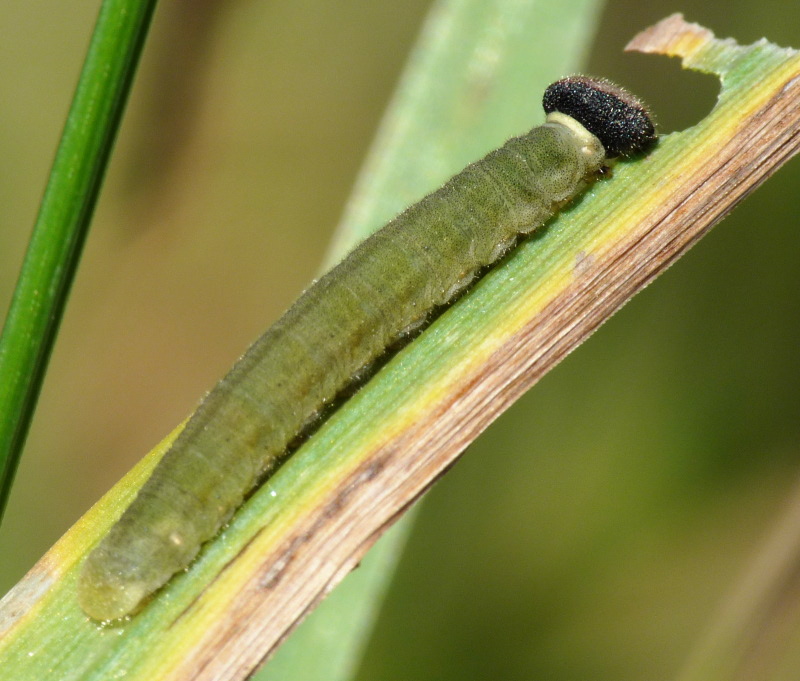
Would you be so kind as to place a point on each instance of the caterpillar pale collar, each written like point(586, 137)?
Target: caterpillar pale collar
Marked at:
point(390, 284)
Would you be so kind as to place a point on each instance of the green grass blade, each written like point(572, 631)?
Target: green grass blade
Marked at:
point(63, 221)
point(475, 75)
point(756, 631)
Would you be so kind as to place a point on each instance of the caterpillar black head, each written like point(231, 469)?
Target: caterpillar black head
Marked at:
point(613, 115)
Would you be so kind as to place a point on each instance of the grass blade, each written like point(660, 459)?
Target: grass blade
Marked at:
point(415, 150)
point(63, 221)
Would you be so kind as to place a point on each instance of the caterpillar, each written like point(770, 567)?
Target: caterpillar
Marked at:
point(385, 288)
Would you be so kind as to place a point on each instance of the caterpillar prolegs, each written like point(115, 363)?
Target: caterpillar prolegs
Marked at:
point(387, 285)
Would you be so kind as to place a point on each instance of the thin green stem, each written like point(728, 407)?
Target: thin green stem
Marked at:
point(63, 220)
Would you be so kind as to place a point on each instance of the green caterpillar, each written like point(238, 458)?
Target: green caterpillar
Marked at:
point(385, 288)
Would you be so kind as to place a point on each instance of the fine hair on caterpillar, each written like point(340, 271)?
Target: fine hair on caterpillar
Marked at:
point(383, 292)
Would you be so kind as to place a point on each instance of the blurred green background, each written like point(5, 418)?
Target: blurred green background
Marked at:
point(596, 527)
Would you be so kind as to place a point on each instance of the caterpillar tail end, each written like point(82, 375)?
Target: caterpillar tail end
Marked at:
point(105, 596)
